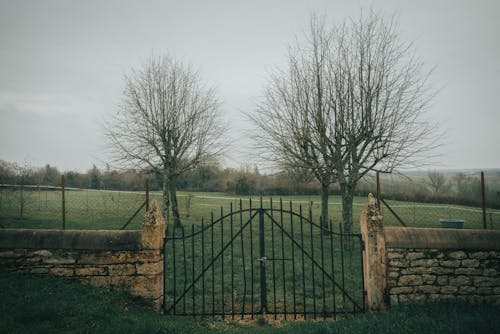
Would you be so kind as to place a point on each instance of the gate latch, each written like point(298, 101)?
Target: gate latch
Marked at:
point(263, 259)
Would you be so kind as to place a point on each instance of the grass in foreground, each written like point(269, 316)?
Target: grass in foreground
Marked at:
point(49, 305)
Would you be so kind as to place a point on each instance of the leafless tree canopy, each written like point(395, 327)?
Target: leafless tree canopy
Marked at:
point(168, 122)
point(352, 99)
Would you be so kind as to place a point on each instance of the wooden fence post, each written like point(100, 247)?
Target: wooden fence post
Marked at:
point(483, 202)
point(63, 203)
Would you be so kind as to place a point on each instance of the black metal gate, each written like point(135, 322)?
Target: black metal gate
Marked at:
point(263, 260)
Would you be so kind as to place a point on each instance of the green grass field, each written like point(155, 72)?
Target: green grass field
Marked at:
point(228, 281)
point(89, 209)
point(50, 305)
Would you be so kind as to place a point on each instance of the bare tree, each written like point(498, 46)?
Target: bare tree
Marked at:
point(352, 99)
point(437, 182)
point(296, 121)
point(168, 122)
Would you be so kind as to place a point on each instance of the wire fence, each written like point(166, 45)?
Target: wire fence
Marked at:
point(457, 200)
point(408, 201)
point(42, 207)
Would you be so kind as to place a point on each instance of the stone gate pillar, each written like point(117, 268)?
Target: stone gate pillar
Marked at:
point(152, 238)
point(374, 255)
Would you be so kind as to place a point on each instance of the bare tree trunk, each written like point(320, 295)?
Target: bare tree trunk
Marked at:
point(175, 205)
point(324, 206)
point(166, 199)
point(347, 189)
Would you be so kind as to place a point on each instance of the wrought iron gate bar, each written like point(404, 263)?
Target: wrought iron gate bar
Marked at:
point(318, 265)
point(321, 274)
point(207, 267)
point(274, 265)
point(304, 219)
point(293, 262)
point(283, 270)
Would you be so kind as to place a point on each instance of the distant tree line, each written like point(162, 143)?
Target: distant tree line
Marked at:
point(430, 187)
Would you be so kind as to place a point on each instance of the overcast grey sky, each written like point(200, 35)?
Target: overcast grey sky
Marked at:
point(62, 65)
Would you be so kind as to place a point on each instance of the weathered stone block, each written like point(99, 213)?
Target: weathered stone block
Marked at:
point(428, 289)
point(148, 287)
point(410, 280)
point(38, 271)
point(90, 271)
point(437, 270)
point(490, 272)
point(59, 260)
point(440, 256)
point(415, 255)
point(447, 289)
point(470, 263)
point(122, 281)
point(467, 271)
point(480, 281)
point(460, 280)
point(496, 290)
point(399, 263)
point(417, 298)
point(457, 255)
point(401, 290)
point(442, 280)
point(414, 270)
point(479, 255)
point(425, 263)
point(450, 263)
point(393, 274)
point(42, 253)
point(151, 268)
point(392, 281)
point(121, 269)
point(395, 255)
point(62, 271)
point(150, 255)
point(466, 290)
point(428, 279)
point(125, 257)
point(32, 260)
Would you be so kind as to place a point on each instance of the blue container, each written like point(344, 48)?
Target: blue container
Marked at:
point(452, 223)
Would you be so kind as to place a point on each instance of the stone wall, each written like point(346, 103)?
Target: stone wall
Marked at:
point(131, 261)
point(408, 265)
point(428, 275)
point(437, 264)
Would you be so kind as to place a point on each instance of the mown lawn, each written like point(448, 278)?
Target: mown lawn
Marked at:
point(49, 305)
